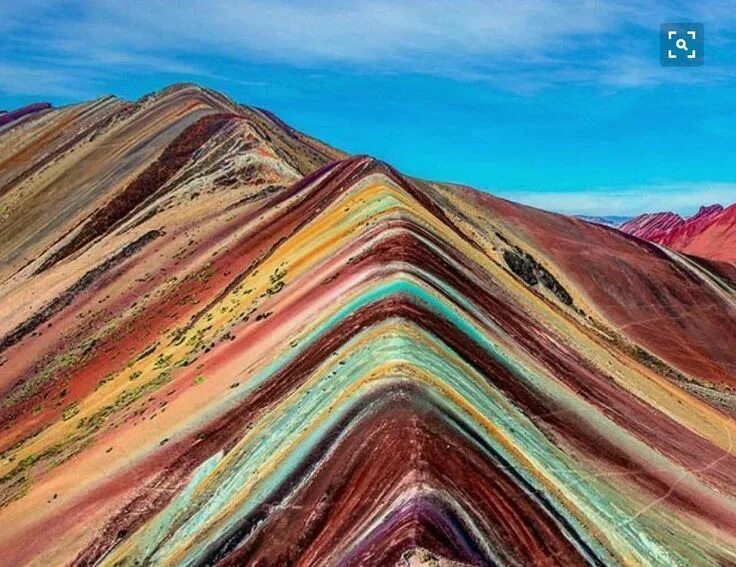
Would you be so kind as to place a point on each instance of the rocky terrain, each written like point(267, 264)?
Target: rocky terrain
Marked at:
point(225, 342)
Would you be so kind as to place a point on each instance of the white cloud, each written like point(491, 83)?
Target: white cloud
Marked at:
point(19, 79)
point(520, 45)
point(684, 198)
point(362, 31)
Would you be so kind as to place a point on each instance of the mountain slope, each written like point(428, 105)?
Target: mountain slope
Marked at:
point(60, 168)
point(710, 233)
point(258, 358)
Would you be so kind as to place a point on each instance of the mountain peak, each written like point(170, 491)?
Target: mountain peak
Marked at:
point(707, 209)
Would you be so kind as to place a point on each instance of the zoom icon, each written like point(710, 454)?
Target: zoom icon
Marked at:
point(681, 45)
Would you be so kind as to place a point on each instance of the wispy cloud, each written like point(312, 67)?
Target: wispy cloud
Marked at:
point(544, 42)
point(684, 198)
point(20, 79)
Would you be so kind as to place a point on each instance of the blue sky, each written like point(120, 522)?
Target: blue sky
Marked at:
point(557, 103)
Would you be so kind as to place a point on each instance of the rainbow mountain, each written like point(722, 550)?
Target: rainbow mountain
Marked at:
point(223, 342)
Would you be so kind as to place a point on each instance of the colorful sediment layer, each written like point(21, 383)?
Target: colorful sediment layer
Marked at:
point(223, 342)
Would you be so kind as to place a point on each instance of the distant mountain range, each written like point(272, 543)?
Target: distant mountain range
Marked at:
point(709, 233)
point(609, 220)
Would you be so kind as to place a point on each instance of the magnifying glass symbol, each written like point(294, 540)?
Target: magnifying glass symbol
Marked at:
point(681, 44)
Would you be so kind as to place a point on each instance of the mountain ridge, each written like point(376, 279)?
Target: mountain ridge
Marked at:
point(267, 341)
point(709, 233)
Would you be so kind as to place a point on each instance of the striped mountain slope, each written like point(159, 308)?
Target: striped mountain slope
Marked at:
point(223, 342)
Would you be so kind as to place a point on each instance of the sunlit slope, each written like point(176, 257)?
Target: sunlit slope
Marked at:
point(346, 366)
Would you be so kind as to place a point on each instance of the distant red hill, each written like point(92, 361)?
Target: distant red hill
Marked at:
point(13, 115)
point(709, 233)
